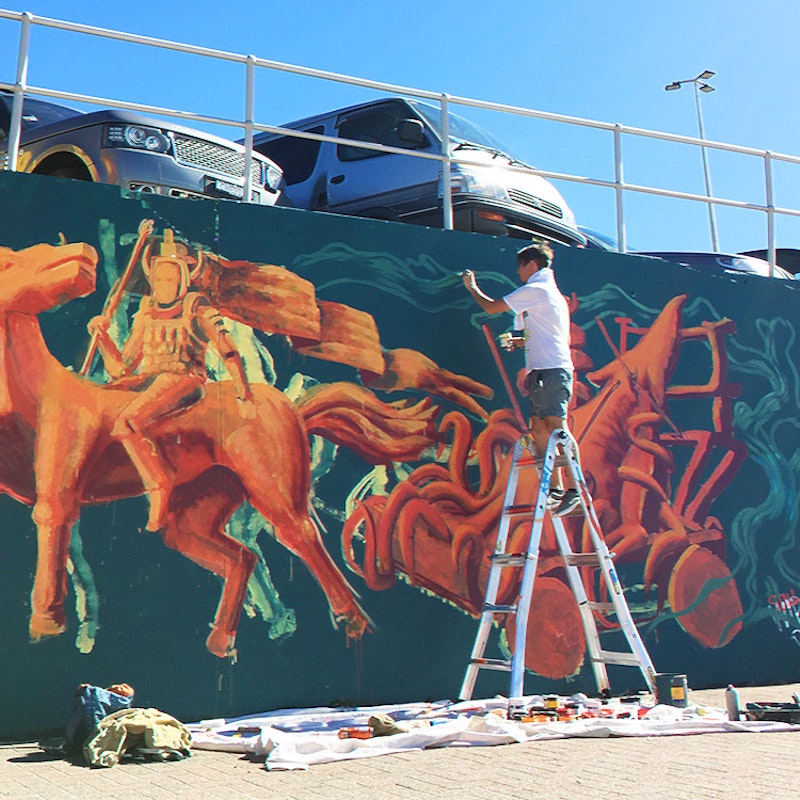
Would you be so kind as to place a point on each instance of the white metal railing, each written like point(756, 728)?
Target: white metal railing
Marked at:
point(20, 87)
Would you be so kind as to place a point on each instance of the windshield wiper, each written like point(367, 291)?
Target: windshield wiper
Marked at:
point(464, 145)
point(469, 146)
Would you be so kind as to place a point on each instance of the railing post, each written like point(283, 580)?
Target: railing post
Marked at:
point(249, 111)
point(771, 254)
point(447, 193)
point(619, 188)
point(19, 93)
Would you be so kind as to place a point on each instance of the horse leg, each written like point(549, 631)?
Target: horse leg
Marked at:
point(296, 531)
point(59, 453)
point(53, 518)
point(271, 458)
point(263, 598)
point(197, 531)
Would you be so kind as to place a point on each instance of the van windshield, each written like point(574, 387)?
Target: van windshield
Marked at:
point(461, 130)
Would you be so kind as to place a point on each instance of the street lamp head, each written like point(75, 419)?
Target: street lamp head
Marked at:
point(670, 87)
point(704, 87)
point(705, 75)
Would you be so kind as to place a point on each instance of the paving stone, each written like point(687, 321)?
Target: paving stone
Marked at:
point(729, 766)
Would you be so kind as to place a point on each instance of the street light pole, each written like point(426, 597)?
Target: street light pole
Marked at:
point(699, 84)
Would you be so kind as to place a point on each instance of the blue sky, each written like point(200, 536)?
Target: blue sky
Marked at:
point(602, 60)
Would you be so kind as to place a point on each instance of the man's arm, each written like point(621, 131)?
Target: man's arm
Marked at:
point(489, 305)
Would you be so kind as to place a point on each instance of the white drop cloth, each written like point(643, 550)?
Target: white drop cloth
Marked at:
point(298, 738)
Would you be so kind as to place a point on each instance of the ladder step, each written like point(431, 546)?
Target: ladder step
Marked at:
point(582, 559)
point(492, 663)
point(527, 461)
point(524, 509)
point(494, 608)
point(605, 608)
point(510, 559)
point(623, 659)
point(576, 512)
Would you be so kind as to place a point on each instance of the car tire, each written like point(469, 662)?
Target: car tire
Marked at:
point(63, 166)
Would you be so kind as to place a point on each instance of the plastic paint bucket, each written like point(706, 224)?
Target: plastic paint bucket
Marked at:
point(672, 690)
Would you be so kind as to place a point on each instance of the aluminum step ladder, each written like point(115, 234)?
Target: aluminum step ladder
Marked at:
point(561, 450)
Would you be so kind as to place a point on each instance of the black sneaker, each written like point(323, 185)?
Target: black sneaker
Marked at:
point(569, 502)
point(554, 498)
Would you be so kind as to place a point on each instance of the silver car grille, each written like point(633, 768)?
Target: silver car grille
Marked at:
point(535, 202)
point(207, 155)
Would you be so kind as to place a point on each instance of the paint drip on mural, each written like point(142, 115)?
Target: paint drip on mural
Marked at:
point(179, 401)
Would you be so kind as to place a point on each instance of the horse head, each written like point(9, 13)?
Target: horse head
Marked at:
point(44, 276)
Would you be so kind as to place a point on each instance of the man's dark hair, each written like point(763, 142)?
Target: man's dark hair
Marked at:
point(540, 252)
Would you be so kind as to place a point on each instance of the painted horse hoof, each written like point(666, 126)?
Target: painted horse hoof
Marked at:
point(159, 510)
point(356, 624)
point(44, 627)
point(221, 643)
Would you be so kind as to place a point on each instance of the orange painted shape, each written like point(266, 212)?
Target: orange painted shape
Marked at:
point(716, 620)
point(347, 335)
point(555, 642)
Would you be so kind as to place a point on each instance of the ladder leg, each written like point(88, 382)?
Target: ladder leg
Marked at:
point(529, 573)
point(587, 614)
point(640, 656)
point(488, 614)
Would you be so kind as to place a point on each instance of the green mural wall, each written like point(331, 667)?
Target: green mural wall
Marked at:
point(381, 423)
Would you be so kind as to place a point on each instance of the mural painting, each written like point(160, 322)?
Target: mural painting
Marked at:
point(174, 429)
point(439, 530)
point(338, 401)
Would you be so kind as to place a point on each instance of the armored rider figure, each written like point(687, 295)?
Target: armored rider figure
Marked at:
point(162, 364)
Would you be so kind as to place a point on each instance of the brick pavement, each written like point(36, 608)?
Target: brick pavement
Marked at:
point(733, 766)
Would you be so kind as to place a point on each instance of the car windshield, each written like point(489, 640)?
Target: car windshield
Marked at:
point(461, 130)
point(37, 112)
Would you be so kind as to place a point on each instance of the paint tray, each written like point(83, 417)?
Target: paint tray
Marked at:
point(774, 712)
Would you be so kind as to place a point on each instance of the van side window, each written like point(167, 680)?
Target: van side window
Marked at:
point(294, 155)
point(380, 127)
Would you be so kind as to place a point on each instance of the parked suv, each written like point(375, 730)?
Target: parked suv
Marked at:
point(493, 193)
point(134, 152)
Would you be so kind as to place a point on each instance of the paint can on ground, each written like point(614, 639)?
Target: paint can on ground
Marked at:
point(672, 689)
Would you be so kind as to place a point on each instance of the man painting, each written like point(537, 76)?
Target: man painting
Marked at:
point(542, 315)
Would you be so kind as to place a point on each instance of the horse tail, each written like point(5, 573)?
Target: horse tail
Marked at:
point(350, 415)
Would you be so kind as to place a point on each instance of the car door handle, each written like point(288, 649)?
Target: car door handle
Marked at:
point(337, 179)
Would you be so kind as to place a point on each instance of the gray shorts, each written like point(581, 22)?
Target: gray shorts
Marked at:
point(550, 391)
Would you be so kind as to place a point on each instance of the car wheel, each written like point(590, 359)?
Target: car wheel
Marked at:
point(63, 166)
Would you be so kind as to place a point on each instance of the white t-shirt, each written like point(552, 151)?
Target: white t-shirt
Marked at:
point(543, 313)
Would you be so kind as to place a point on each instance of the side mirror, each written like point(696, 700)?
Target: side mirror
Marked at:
point(410, 131)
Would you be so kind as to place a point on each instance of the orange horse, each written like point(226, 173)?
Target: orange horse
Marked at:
point(56, 452)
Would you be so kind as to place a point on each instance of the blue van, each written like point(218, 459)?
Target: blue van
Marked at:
point(492, 192)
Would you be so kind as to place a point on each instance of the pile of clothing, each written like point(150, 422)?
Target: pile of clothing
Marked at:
point(104, 727)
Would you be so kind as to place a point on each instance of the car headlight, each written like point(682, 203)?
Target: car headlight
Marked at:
point(478, 183)
point(273, 178)
point(137, 137)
